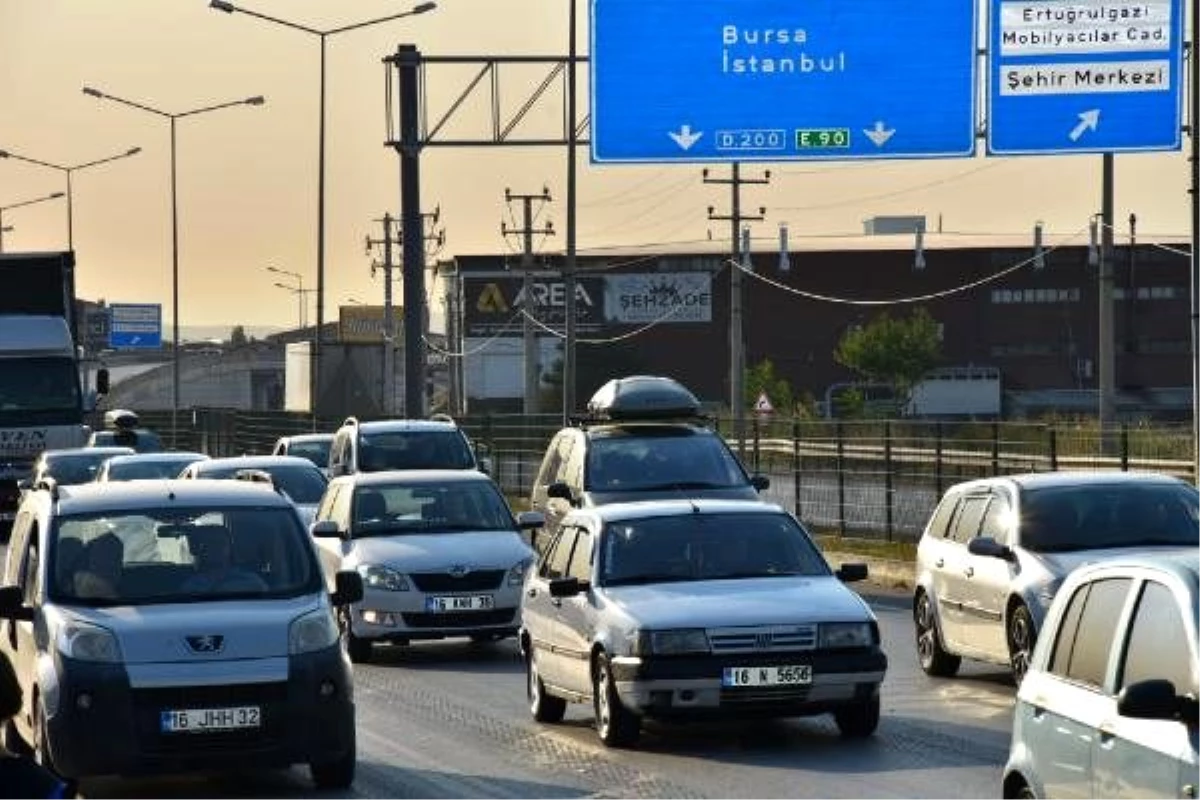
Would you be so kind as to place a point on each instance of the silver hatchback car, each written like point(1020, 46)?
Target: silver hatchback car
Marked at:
point(677, 609)
point(1108, 707)
point(996, 550)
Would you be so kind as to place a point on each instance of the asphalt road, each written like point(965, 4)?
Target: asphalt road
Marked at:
point(448, 719)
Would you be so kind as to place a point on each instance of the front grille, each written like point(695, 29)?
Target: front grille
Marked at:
point(762, 639)
point(764, 695)
point(148, 704)
point(480, 581)
point(461, 619)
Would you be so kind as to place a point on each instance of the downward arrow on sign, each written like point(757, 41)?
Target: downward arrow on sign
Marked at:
point(685, 138)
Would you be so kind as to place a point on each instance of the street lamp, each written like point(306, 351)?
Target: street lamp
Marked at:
point(54, 196)
point(300, 298)
point(230, 8)
point(257, 100)
point(133, 151)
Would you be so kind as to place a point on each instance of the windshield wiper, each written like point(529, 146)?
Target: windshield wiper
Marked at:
point(637, 580)
point(762, 573)
point(680, 486)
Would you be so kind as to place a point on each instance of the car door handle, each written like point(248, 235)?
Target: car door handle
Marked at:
point(556, 602)
point(1108, 732)
point(941, 562)
point(970, 572)
point(532, 592)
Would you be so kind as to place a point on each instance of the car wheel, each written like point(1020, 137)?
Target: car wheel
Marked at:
point(859, 720)
point(934, 659)
point(1021, 638)
point(41, 739)
point(544, 707)
point(360, 650)
point(13, 742)
point(335, 774)
point(617, 725)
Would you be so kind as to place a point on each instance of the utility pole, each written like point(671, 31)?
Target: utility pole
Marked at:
point(438, 239)
point(737, 342)
point(528, 307)
point(387, 397)
point(1106, 358)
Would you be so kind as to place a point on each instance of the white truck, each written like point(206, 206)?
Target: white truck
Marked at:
point(43, 403)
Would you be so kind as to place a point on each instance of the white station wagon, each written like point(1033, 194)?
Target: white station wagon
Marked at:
point(678, 609)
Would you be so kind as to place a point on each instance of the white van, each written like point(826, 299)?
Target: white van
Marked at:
point(168, 626)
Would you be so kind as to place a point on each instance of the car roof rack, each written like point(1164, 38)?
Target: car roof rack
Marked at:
point(120, 419)
point(641, 398)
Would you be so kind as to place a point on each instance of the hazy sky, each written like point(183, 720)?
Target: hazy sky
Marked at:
point(247, 176)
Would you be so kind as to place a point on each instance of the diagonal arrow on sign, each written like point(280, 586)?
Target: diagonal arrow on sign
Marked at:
point(1088, 120)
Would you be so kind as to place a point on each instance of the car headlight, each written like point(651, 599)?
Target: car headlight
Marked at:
point(672, 642)
point(846, 634)
point(516, 575)
point(313, 631)
point(377, 576)
point(86, 642)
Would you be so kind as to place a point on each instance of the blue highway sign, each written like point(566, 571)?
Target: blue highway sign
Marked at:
point(134, 325)
point(776, 80)
point(1085, 76)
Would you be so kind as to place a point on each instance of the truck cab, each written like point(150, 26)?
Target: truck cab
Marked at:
point(42, 399)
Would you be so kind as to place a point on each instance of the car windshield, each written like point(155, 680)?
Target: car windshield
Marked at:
point(303, 484)
point(173, 555)
point(39, 384)
point(447, 507)
point(413, 450)
point(1102, 515)
point(663, 460)
point(74, 468)
point(704, 547)
point(316, 451)
point(140, 470)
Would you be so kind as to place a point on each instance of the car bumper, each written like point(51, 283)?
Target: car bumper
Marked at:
point(404, 616)
point(117, 729)
point(692, 685)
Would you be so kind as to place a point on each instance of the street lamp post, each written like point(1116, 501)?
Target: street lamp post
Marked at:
point(257, 100)
point(230, 8)
point(43, 199)
point(67, 170)
point(298, 290)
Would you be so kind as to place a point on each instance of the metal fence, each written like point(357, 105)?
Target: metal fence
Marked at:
point(877, 478)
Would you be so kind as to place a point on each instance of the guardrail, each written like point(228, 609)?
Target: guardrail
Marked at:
point(878, 478)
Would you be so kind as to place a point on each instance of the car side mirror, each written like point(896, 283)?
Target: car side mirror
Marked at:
point(12, 604)
point(1151, 699)
point(987, 546)
point(531, 520)
point(567, 587)
point(560, 490)
point(348, 588)
point(852, 573)
point(102, 384)
point(325, 529)
point(485, 465)
point(760, 482)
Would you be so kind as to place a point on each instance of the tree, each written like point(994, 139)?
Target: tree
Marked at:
point(897, 352)
point(237, 337)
